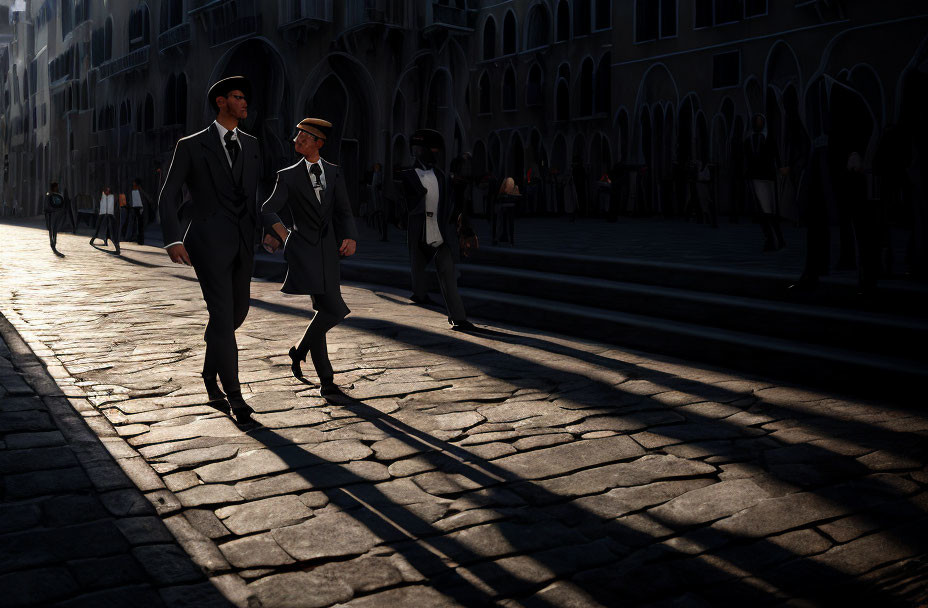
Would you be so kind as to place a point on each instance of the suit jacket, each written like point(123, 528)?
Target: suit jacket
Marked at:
point(200, 161)
point(414, 193)
point(317, 228)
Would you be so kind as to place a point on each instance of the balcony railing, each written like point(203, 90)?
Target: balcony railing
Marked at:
point(296, 13)
point(131, 61)
point(360, 13)
point(176, 36)
point(221, 33)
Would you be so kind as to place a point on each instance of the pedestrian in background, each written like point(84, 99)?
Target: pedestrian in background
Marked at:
point(55, 212)
point(508, 201)
point(761, 161)
point(107, 217)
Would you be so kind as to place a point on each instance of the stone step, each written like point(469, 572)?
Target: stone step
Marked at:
point(897, 297)
point(842, 370)
point(865, 331)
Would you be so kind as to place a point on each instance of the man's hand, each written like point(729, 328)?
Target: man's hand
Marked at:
point(178, 254)
point(271, 244)
point(349, 246)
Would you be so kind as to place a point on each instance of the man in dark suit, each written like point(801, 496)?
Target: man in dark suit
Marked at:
point(220, 167)
point(431, 226)
point(322, 229)
point(55, 209)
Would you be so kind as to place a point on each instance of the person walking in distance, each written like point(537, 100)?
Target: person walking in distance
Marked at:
point(55, 210)
point(220, 166)
point(107, 218)
point(322, 229)
point(431, 226)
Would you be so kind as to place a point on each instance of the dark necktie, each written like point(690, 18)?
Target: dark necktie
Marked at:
point(231, 146)
point(315, 170)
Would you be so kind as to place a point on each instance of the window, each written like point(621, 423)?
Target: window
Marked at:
point(603, 15)
point(563, 21)
point(726, 70)
point(728, 11)
point(582, 17)
point(489, 39)
point(586, 87)
point(538, 27)
point(483, 88)
point(534, 86)
point(702, 13)
point(603, 84)
point(509, 90)
point(509, 34)
point(562, 101)
point(655, 19)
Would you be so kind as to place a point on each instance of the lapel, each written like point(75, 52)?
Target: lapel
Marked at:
point(304, 188)
point(440, 178)
point(217, 160)
point(328, 195)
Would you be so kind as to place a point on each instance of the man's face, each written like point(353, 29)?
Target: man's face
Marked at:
point(305, 143)
point(235, 104)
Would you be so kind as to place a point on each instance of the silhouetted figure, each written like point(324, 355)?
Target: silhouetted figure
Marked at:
point(508, 201)
point(813, 198)
point(431, 226)
point(55, 212)
point(866, 215)
point(761, 160)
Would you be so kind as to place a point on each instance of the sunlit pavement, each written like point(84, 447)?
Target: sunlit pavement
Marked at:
point(519, 469)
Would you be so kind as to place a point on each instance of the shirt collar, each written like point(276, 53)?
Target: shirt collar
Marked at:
point(222, 130)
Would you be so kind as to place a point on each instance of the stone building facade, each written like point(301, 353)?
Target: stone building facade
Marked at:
point(96, 92)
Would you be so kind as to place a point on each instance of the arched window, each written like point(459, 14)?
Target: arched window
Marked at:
point(586, 87)
point(582, 17)
point(509, 89)
point(603, 84)
point(533, 89)
point(562, 101)
point(563, 21)
point(538, 27)
point(484, 92)
point(489, 39)
point(509, 34)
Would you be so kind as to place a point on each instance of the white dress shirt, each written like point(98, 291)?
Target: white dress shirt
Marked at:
point(136, 199)
point(312, 179)
point(107, 204)
point(430, 183)
point(222, 139)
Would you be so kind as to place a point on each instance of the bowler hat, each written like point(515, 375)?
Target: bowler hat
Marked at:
point(225, 86)
point(426, 137)
point(315, 126)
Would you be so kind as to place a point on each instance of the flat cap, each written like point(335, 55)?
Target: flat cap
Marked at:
point(427, 137)
point(225, 86)
point(315, 126)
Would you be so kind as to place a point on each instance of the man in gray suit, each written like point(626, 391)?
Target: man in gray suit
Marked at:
point(220, 167)
point(431, 226)
point(322, 229)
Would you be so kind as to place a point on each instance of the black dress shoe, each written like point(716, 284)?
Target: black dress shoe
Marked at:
point(330, 390)
point(295, 362)
point(423, 301)
point(241, 411)
point(212, 388)
point(464, 325)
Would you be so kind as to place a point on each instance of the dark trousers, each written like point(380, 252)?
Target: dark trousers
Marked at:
point(330, 310)
point(420, 255)
point(53, 220)
point(224, 274)
point(136, 224)
point(111, 231)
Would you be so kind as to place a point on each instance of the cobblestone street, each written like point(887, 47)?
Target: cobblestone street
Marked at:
point(516, 469)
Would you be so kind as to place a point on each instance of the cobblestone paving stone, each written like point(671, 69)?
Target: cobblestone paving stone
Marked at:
point(518, 469)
